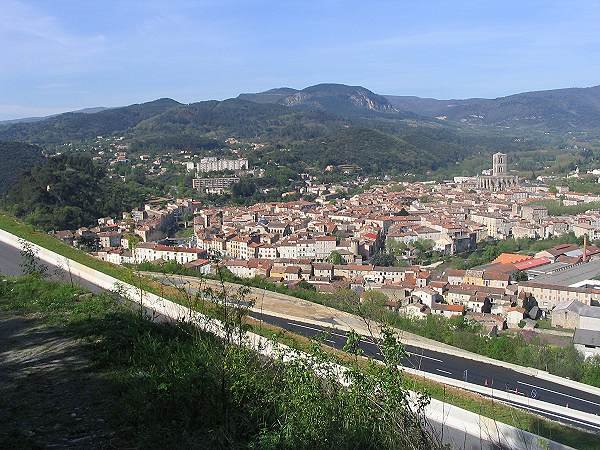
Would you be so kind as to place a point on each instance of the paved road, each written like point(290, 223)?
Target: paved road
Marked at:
point(466, 370)
point(434, 362)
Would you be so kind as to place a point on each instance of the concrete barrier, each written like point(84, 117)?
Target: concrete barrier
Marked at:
point(456, 427)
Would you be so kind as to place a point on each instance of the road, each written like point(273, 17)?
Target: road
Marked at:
point(434, 362)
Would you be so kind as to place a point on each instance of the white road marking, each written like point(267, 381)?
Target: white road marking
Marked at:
point(317, 329)
point(444, 371)
point(362, 340)
point(559, 393)
point(426, 357)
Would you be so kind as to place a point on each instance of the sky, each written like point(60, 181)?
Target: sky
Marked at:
point(61, 55)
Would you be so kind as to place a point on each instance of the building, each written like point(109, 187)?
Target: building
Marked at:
point(147, 252)
point(214, 164)
point(499, 180)
point(214, 185)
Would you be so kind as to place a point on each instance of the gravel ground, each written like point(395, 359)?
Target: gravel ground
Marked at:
point(49, 397)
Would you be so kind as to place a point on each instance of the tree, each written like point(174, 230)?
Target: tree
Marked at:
point(384, 259)
point(30, 262)
point(520, 276)
point(487, 306)
point(335, 257)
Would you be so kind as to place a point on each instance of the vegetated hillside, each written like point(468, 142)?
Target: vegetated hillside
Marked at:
point(270, 96)
point(338, 99)
point(376, 141)
point(17, 157)
point(80, 125)
point(238, 118)
point(37, 119)
point(68, 192)
point(559, 109)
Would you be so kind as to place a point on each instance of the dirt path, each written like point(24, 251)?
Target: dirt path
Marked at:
point(48, 396)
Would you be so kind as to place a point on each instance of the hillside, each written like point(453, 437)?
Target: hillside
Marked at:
point(559, 109)
point(17, 157)
point(68, 192)
point(81, 125)
point(337, 99)
point(315, 127)
point(37, 119)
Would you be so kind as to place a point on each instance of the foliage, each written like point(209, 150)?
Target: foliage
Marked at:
point(556, 207)
point(177, 387)
point(335, 258)
point(17, 157)
point(384, 259)
point(68, 192)
point(30, 263)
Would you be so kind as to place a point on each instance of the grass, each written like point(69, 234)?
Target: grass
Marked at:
point(171, 386)
point(456, 397)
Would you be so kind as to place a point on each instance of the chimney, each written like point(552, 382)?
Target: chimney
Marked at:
point(585, 248)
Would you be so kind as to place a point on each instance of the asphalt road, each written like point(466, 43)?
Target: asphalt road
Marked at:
point(464, 369)
point(439, 363)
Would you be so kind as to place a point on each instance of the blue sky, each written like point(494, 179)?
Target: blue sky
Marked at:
point(61, 55)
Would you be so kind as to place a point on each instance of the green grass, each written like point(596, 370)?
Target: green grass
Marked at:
point(462, 399)
point(174, 387)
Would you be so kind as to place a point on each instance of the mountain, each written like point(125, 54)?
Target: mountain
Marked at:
point(81, 125)
point(312, 128)
point(240, 118)
point(270, 96)
point(338, 99)
point(17, 158)
point(37, 119)
point(558, 109)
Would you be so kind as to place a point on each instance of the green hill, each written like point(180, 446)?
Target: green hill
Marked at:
point(17, 157)
point(320, 125)
point(558, 109)
point(80, 125)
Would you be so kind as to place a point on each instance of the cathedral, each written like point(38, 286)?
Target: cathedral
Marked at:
point(499, 179)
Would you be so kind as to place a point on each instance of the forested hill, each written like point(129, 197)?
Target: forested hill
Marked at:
point(558, 109)
point(331, 124)
point(68, 192)
point(81, 125)
point(17, 157)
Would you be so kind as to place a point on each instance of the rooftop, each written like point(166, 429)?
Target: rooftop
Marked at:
point(571, 276)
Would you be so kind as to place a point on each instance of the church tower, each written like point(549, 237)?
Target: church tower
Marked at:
point(499, 164)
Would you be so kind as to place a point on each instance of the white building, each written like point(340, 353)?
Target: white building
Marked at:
point(214, 164)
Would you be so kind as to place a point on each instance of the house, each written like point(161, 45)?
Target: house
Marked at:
point(292, 273)
point(514, 316)
point(323, 270)
point(109, 239)
point(587, 342)
point(417, 310)
point(427, 296)
point(491, 323)
point(66, 236)
point(446, 310)
point(202, 266)
point(566, 314)
point(148, 252)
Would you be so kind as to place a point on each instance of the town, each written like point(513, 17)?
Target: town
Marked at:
point(399, 240)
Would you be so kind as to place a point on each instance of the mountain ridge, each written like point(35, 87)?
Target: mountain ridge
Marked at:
point(554, 109)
